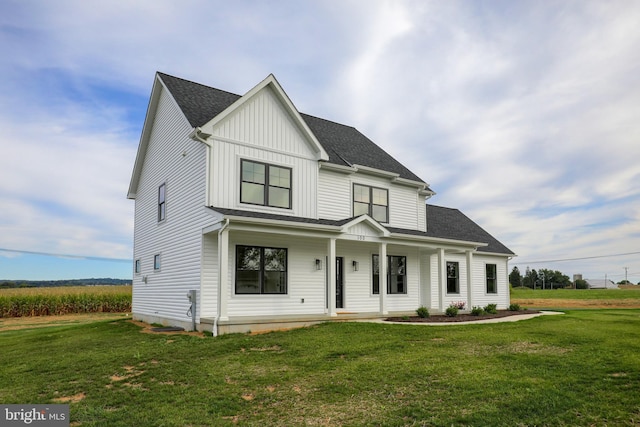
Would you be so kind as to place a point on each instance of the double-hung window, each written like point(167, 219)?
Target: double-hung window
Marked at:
point(396, 274)
point(265, 184)
point(162, 205)
point(492, 281)
point(371, 201)
point(453, 282)
point(261, 270)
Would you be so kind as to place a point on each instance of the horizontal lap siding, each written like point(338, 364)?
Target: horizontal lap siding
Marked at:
point(304, 281)
point(178, 161)
point(209, 290)
point(334, 195)
point(480, 296)
point(335, 199)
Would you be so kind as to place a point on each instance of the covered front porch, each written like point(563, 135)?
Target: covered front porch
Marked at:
point(329, 272)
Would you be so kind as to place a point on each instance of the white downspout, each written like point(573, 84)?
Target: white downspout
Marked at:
point(217, 317)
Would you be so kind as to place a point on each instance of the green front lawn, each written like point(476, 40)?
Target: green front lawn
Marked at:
point(579, 294)
point(581, 368)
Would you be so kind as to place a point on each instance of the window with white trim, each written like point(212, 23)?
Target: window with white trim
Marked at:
point(396, 274)
point(162, 205)
point(261, 270)
point(492, 278)
point(265, 184)
point(453, 279)
point(372, 201)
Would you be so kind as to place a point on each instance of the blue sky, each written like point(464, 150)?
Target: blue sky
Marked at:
point(524, 115)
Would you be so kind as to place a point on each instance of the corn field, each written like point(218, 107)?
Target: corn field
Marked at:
point(23, 302)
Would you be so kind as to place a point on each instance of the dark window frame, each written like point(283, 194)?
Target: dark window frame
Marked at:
point(370, 204)
point(137, 266)
point(491, 278)
point(157, 262)
point(453, 277)
point(262, 271)
point(162, 202)
point(390, 275)
point(266, 184)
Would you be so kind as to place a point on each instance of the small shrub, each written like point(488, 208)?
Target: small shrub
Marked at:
point(491, 309)
point(477, 311)
point(514, 307)
point(451, 311)
point(405, 317)
point(422, 312)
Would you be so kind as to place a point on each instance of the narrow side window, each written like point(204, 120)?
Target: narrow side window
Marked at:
point(162, 205)
point(137, 266)
point(156, 262)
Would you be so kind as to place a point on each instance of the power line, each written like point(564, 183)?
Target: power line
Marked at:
point(576, 259)
point(92, 258)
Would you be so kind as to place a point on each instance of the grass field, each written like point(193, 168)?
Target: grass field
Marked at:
point(21, 302)
point(577, 298)
point(580, 368)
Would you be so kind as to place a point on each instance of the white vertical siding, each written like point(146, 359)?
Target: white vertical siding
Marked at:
point(264, 131)
point(178, 161)
point(225, 178)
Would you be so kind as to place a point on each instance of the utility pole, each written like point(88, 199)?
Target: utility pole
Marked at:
point(626, 270)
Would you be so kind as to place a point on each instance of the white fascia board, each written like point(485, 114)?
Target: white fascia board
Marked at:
point(377, 172)
point(271, 81)
point(279, 223)
point(440, 241)
point(152, 107)
point(338, 168)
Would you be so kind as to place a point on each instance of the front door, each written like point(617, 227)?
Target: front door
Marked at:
point(339, 282)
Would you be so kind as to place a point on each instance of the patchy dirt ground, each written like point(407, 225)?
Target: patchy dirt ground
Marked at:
point(16, 323)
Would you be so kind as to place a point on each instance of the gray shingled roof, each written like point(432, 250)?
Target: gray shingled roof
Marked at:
point(344, 144)
point(442, 223)
point(448, 223)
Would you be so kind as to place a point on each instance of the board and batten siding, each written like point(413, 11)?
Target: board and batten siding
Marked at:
point(179, 162)
point(262, 130)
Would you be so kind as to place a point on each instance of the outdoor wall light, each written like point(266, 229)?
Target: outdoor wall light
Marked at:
point(356, 265)
point(318, 264)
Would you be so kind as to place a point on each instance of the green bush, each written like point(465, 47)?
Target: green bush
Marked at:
point(422, 312)
point(491, 309)
point(451, 311)
point(515, 307)
point(477, 311)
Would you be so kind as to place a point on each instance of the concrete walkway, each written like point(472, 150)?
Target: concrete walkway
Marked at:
point(514, 318)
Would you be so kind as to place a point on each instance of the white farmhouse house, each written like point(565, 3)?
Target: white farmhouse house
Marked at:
point(279, 219)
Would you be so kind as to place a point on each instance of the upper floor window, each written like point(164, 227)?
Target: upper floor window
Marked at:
point(137, 267)
point(396, 274)
point(265, 184)
point(156, 262)
point(371, 201)
point(261, 270)
point(162, 205)
point(453, 282)
point(492, 282)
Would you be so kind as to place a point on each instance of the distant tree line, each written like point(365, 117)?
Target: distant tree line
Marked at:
point(548, 279)
point(53, 283)
point(541, 279)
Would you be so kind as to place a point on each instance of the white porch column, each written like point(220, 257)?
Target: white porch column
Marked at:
point(382, 261)
point(331, 273)
point(470, 279)
point(442, 279)
point(223, 275)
